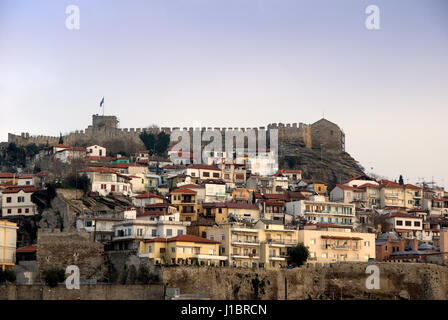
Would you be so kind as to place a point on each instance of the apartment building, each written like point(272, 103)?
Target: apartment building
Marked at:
point(263, 245)
point(129, 233)
point(238, 242)
point(16, 201)
point(8, 237)
point(185, 199)
point(405, 196)
point(275, 240)
point(317, 210)
point(329, 244)
point(182, 249)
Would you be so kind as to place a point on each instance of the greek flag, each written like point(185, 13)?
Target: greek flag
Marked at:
point(102, 102)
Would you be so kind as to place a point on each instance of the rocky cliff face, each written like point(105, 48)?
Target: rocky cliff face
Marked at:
point(326, 166)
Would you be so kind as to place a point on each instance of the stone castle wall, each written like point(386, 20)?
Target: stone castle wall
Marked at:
point(415, 281)
point(105, 129)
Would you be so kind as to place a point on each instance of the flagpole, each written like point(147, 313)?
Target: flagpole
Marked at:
point(103, 106)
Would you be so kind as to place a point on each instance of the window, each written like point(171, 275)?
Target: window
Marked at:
point(140, 232)
point(149, 249)
point(408, 223)
point(9, 211)
point(313, 241)
point(27, 210)
point(366, 243)
point(173, 249)
point(169, 232)
point(180, 232)
point(206, 174)
point(154, 233)
point(223, 237)
point(399, 222)
point(215, 175)
point(324, 255)
point(416, 223)
point(8, 199)
point(212, 237)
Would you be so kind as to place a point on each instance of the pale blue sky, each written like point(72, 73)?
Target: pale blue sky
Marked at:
point(236, 63)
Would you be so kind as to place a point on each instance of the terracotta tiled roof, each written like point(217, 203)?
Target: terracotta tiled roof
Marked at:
point(148, 195)
point(27, 249)
point(4, 175)
point(16, 189)
point(401, 215)
point(183, 191)
point(232, 205)
point(203, 167)
point(99, 170)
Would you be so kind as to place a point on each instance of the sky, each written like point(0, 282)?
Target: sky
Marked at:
point(236, 63)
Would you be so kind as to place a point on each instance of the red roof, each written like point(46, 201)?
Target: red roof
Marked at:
point(203, 167)
point(26, 189)
point(183, 238)
point(27, 249)
point(231, 205)
point(148, 195)
point(292, 171)
point(98, 169)
point(401, 215)
point(183, 191)
point(6, 175)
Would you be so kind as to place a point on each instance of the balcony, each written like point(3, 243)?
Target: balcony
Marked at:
point(244, 256)
point(246, 242)
point(277, 258)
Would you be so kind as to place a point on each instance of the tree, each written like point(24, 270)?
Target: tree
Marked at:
point(162, 143)
point(400, 180)
point(53, 276)
point(298, 254)
point(61, 140)
point(7, 275)
point(149, 140)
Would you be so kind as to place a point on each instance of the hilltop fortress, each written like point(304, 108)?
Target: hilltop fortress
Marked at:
point(321, 134)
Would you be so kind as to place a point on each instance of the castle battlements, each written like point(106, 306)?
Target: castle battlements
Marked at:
point(103, 128)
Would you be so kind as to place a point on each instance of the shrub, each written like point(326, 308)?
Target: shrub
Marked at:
point(7, 275)
point(53, 276)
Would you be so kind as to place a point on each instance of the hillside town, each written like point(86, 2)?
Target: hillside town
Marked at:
point(222, 213)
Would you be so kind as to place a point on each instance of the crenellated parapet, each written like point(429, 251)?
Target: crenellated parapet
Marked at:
point(106, 127)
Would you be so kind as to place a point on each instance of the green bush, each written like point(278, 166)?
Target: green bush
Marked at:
point(298, 254)
point(53, 276)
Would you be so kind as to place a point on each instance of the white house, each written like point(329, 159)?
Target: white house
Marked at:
point(96, 151)
point(17, 201)
point(106, 180)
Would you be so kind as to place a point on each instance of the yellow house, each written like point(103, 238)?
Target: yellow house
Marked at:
point(318, 187)
point(275, 241)
point(241, 195)
point(182, 249)
point(8, 237)
point(405, 196)
point(8, 179)
point(333, 244)
point(186, 202)
point(221, 211)
point(263, 246)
